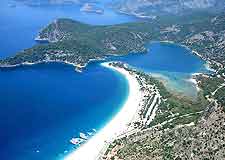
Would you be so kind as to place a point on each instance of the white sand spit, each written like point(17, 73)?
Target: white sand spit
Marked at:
point(117, 126)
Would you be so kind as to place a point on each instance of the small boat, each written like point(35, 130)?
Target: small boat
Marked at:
point(83, 136)
point(76, 141)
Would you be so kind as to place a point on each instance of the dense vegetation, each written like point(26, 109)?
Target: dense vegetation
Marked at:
point(174, 109)
point(205, 141)
point(183, 128)
point(209, 84)
point(213, 87)
point(77, 43)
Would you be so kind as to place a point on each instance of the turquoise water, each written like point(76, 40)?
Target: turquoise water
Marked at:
point(173, 64)
point(43, 106)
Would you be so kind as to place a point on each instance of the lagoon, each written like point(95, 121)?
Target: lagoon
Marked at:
point(43, 106)
point(171, 63)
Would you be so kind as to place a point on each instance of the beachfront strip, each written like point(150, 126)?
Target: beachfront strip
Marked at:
point(136, 113)
point(146, 109)
point(176, 127)
point(148, 106)
point(156, 123)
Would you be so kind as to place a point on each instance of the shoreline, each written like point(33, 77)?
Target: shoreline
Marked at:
point(119, 124)
point(78, 68)
point(194, 82)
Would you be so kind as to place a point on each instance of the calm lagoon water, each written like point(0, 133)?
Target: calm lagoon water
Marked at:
point(44, 106)
point(171, 63)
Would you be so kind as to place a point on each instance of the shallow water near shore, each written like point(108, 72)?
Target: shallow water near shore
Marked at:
point(43, 106)
point(171, 63)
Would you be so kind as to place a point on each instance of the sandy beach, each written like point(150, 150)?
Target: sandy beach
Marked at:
point(117, 126)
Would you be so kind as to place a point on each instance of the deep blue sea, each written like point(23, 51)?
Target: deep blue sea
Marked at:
point(43, 106)
point(21, 24)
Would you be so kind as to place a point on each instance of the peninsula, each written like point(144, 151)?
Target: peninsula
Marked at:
point(154, 123)
point(77, 43)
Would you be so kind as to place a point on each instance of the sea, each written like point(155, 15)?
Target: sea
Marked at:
point(43, 106)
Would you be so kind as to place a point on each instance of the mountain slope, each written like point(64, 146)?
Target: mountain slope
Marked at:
point(151, 8)
point(74, 42)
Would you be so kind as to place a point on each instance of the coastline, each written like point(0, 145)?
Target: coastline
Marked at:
point(119, 124)
point(194, 81)
point(78, 67)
